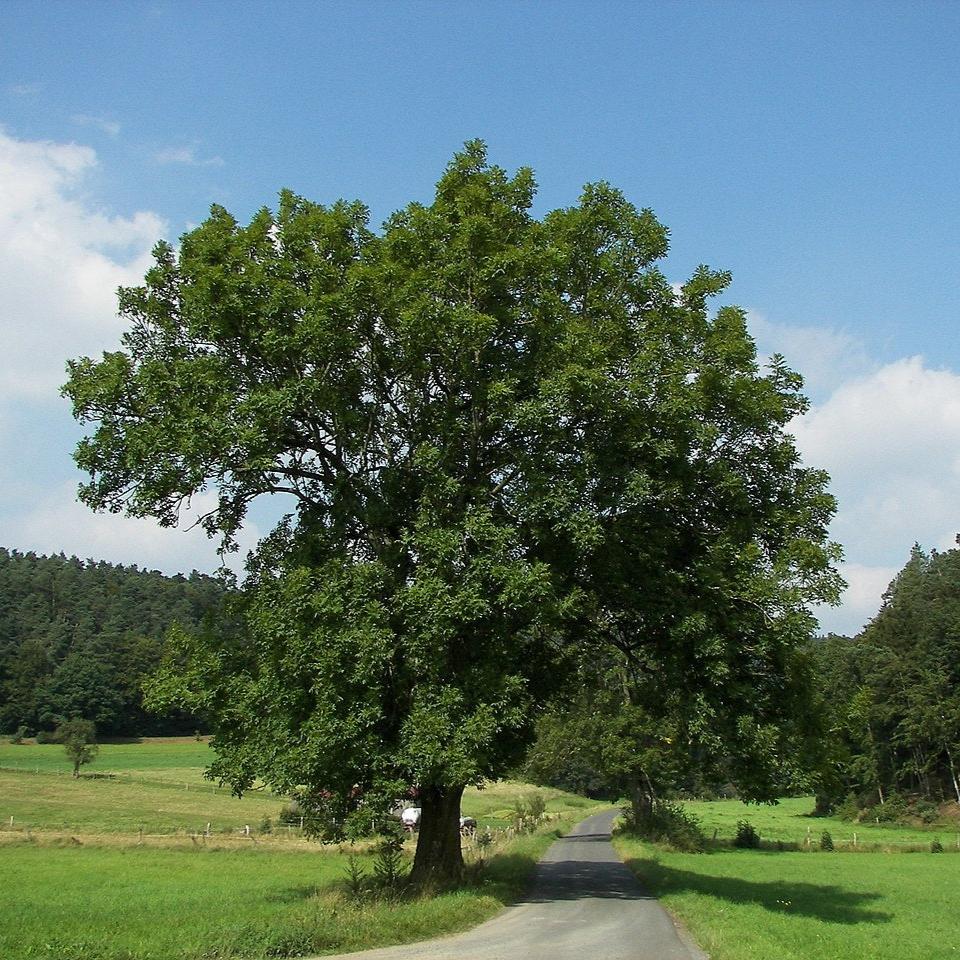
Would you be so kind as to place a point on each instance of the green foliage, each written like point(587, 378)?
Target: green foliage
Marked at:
point(747, 836)
point(389, 867)
point(936, 846)
point(826, 841)
point(506, 442)
point(78, 638)
point(18, 737)
point(668, 823)
point(79, 739)
point(893, 692)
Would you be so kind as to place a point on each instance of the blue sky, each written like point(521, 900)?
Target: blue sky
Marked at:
point(810, 148)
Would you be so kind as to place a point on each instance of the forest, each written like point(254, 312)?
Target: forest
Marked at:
point(887, 723)
point(77, 638)
point(892, 694)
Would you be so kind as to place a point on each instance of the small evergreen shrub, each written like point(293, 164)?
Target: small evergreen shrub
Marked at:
point(747, 837)
point(388, 866)
point(936, 846)
point(826, 841)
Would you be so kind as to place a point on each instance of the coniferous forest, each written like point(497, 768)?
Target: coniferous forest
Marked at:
point(892, 693)
point(78, 637)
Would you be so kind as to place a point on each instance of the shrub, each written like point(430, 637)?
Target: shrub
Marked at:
point(266, 825)
point(356, 877)
point(936, 846)
point(669, 823)
point(849, 809)
point(747, 836)
point(388, 866)
point(19, 735)
point(47, 736)
point(826, 841)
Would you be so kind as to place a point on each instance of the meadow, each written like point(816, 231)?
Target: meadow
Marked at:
point(90, 886)
point(854, 903)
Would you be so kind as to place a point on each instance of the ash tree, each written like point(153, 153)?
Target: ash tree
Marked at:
point(504, 440)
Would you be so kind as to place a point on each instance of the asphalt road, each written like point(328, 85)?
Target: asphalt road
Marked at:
point(584, 905)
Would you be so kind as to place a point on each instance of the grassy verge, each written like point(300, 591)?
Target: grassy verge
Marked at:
point(142, 903)
point(755, 905)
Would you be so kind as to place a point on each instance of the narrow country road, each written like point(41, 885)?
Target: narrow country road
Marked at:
point(584, 905)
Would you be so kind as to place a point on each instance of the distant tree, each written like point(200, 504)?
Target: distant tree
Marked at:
point(79, 739)
point(506, 441)
point(893, 692)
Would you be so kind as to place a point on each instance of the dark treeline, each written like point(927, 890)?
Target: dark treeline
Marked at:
point(885, 741)
point(892, 693)
point(78, 637)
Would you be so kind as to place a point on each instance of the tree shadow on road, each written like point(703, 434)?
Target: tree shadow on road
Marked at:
point(827, 902)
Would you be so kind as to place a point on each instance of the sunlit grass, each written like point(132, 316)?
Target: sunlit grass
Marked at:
point(760, 905)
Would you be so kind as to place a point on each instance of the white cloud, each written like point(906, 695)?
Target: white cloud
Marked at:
point(59, 523)
point(825, 356)
point(891, 443)
point(105, 125)
point(865, 587)
point(188, 156)
point(61, 261)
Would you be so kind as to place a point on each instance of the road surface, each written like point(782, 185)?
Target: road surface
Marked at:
point(584, 905)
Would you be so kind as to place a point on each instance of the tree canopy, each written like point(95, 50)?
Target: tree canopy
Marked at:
point(505, 440)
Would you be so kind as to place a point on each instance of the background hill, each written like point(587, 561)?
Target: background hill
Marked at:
point(77, 638)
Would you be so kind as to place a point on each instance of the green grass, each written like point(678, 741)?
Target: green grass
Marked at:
point(789, 821)
point(758, 905)
point(46, 801)
point(158, 785)
point(142, 903)
point(102, 896)
point(176, 759)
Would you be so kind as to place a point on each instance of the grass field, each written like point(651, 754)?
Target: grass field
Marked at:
point(87, 888)
point(174, 759)
point(790, 821)
point(159, 787)
point(138, 903)
point(861, 904)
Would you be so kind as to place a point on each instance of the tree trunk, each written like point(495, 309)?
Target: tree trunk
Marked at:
point(439, 859)
point(641, 800)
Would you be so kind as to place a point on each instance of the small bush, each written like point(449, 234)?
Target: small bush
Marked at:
point(388, 866)
point(266, 825)
point(849, 809)
point(47, 736)
point(747, 836)
point(19, 735)
point(936, 846)
point(826, 841)
point(669, 823)
point(356, 877)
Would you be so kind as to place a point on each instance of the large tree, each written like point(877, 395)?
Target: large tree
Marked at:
point(504, 439)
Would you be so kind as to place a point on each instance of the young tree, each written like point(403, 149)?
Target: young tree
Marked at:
point(498, 435)
point(79, 739)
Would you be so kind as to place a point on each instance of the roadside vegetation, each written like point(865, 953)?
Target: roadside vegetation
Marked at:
point(787, 892)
